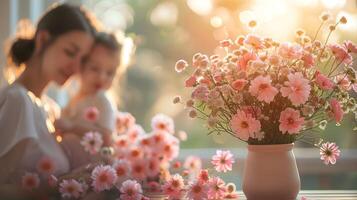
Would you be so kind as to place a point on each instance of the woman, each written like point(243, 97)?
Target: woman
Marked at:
point(63, 37)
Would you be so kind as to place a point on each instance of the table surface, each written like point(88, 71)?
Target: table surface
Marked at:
point(323, 195)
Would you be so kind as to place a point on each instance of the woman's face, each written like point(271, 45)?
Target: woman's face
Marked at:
point(99, 69)
point(63, 57)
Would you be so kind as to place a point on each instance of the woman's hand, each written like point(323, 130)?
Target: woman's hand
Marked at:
point(63, 125)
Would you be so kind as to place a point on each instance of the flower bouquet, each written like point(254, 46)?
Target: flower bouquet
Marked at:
point(269, 93)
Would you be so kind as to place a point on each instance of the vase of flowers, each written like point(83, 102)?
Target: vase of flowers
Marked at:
point(270, 94)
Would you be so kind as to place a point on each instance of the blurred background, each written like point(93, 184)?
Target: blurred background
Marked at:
point(168, 30)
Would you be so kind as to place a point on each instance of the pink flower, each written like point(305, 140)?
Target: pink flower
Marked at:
point(290, 121)
point(350, 46)
point(180, 65)
point(200, 93)
point(162, 122)
point(197, 191)
point(153, 186)
point(153, 167)
point(261, 88)
point(244, 60)
point(103, 177)
point(336, 109)
point(138, 169)
point(309, 60)
point(122, 169)
point(341, 54)
point(223, 161)
point(135, 153)
point(354, 87)
point(30, 181)
point(244, 125)
point(70, 189)
point(297, 89)
point(231, 191)
point(239, 84)
point(217, 188)
point(134, 132)
point(203, 176)
point(254, 41)
point(225, 43)
point(323, 82)
point(174, 186)
point(191, 81)
point(329, 153)
point(46, 165)
point(343, 82)
point(124, 121)
point(91, 114)
point(92, 142)
point(131, 190)
point(290, 51)
point(193, 163)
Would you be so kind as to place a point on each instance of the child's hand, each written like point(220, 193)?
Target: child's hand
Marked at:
point(63, 125)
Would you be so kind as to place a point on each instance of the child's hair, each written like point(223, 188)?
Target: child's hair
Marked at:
point(58, 20)
point(108, 40)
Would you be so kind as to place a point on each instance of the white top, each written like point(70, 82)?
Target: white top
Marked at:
point(24, 116)
point(106, 118)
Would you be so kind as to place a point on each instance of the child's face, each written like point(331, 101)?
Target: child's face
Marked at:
point(99, 70)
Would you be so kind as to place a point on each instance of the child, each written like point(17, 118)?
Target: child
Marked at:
point(95, 77)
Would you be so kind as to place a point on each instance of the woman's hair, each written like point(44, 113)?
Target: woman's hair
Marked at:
point(58, 20)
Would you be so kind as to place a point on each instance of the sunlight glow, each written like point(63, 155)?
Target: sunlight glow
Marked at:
point(216, 21)
point(164, 14)
point(333, 4)
point(200, 7)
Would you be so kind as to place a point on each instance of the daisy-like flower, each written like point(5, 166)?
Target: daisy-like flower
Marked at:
point(91, 114)
point(261, 88)
point(92, 142)
point(30, 181)
point(153, 167)
point(290, 51)
point(134, 153)
point(217, 188)
point(297, 89)
point(104, 177)
point(122, 169)
point(197, 191)
point(336, 110)
point(329, 152)
point(70, 189)
point(135, 132)
point(174, 186)
point(350, 46)
point(323, 82)
point(290, 121)
point(341, 54)
point(244, 125)
point(223, 161)
point(46, 165)
point(181, 65)
point(124, 121)
point(254, 41)
point(203, 176)
point(131, 190)
point(163, 123)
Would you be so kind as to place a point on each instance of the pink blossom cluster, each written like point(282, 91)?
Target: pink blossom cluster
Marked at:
point(262, 91)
